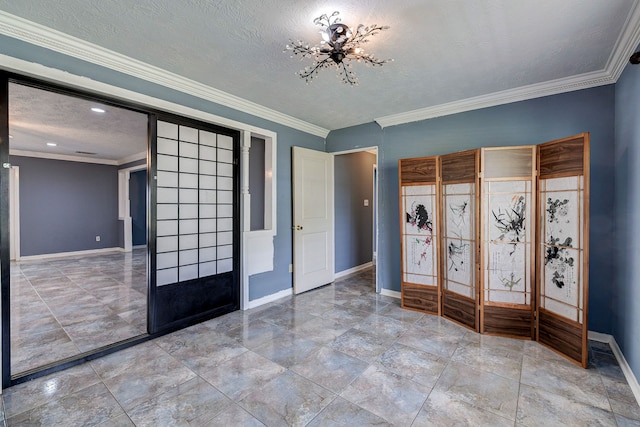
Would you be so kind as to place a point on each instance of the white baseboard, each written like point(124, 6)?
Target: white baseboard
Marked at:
point(390, 293)
point(269, 298)
point(353, 270)
point(626, 369)
point(69, 254)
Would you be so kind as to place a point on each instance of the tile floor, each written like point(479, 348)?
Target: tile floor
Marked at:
point(337, 356)
point(66, 306)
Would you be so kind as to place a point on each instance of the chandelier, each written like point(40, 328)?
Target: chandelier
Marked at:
point(340, 45)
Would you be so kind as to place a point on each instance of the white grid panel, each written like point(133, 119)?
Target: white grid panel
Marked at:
point(194, 209)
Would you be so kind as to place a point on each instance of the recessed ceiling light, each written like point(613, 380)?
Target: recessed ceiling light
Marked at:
point(10, 136)
point(98, 110)
point(52, 144)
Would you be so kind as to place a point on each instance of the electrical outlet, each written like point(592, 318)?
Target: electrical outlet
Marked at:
point(97, 238)
point(290, 268)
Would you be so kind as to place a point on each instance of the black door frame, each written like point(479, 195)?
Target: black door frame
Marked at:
point(155, 331)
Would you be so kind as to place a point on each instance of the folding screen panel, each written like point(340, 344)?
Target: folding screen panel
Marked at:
point(562, 240)
point(195, 256)
point(459, 190)
point(508, 261)
point(419, 236)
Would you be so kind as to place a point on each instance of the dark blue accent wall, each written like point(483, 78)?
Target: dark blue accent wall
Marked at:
point(138, 206)
point(65, 205)
point(625, 313)
point(522, 123)
point(353, 221)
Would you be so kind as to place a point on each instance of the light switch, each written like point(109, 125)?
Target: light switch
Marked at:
point(366, 202)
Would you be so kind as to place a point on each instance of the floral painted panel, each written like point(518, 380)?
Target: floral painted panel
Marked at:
point(459, 217)
point(561, 253)
point(459, 238)
point(419, 240)
point(508, 240)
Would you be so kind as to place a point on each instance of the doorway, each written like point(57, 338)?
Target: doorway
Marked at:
point(58, 299)
point(356, 211)
point(73, 289)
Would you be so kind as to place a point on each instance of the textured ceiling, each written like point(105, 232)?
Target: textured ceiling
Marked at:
point(443, 50)
point(38, 117)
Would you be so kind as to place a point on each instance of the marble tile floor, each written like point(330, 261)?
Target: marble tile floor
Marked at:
point(340, 355)
point(65, 306)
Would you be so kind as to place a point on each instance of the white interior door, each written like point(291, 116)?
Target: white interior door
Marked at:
point(313, 216)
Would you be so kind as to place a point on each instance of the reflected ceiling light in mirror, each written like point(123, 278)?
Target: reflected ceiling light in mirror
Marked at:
point(339, 47)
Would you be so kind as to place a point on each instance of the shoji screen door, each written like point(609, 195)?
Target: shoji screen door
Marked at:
point(563, 260)
point(507, 235)
point(418, 230)
point(195, 259)
point(459, 189)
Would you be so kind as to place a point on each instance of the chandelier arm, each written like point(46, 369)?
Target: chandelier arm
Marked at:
point(371, 60)
point(308, 72)
point(299, 48)
point(347, 75)
point(359, 37)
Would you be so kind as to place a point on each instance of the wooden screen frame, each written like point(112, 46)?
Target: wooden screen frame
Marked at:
point(556, 159)
point(465, 168)
point(509, 319)
point(419, 171)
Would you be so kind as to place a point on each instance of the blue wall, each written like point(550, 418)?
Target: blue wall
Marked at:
point(65, 205)
point(626, 308)
point(522, 123)
point(259, 285)
point(138, 207)
point(353, 184)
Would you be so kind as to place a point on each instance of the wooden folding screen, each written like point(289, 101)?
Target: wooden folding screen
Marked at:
point(562, 241)
point(418, 191)
point(459, 208)
point(513, 250)
point(507, 224)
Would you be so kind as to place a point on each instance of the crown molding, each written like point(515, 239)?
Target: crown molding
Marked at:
point(627, 41)
point(48, 38)
point(64, 157)
point(132, 158)
point(523, 93)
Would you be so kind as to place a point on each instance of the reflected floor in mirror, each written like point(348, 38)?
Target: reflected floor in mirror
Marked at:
point(66, 306)
point(340, 355)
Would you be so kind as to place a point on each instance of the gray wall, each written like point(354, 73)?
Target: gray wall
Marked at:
point(65, 205)
point(527, 122)
point(353, 220)
point(626, 288)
